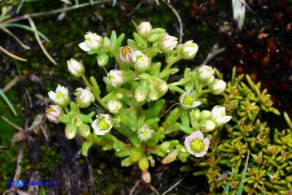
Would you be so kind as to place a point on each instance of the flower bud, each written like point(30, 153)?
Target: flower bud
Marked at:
point(141, 93)
point(167, 43)
point(75, 67)
point(60, 97)
point(143, 163)
point(92, 42)
point(116, 77)
point(217, 86)
point(189, 50)
point(70, 130)
point(84, 97)
point(208, 125)
point(144, 133)
point(205, 114)
point(170, 157)
point(54, 113)
point(144, 28)
point(205, 72)
point(142, 62)
point(114, 106)
point(84, 130)
point(162, 87)
point(127, 54)
point(102, 124)
point(195, 115)
point(102, 59)
point(153, 93)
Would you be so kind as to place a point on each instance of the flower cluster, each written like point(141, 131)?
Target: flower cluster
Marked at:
point(130, 108)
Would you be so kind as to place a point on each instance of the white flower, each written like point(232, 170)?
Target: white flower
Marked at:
point(61, 96)
point(71, 130)
point(144, 133)
point(75, 67)
point(84, 97)
point(92, 41)
point(114, 106)
point(142, 62)
point(167, 43)
point(102, 124)
point(144, 28)
point(219, 116)
point(116, 77)
point(189, 50)
point(205, 72)
point(54, 113)
point(196, 144)
point(127, 54)
point(238, 7)
point(217, 86)
point(188, 101)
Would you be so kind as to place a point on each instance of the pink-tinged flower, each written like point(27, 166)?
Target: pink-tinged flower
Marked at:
point(60, 97)
point(189, 50)
point(196, 144)
point(144, 28)
point(54, 113)
point(167, 43)
point(205, 72)
point(219, 116)
point(127, 54)
point(142, 62)
point(75, 67)
point(116, 77)
point(102, 124)
point(188, 101)
point(84, 97)
point(217, 86)
point(92, 41)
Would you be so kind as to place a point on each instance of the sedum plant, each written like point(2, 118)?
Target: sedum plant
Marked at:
point(132, 112)
point(249, 139)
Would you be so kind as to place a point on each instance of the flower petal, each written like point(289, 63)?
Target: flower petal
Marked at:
point(84, 46)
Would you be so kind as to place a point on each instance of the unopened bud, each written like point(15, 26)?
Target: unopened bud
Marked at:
point(144, 28)
point(75, 67)
point(70, 130)
point(217, 86)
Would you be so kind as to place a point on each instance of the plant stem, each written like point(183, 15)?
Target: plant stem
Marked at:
point(96, 95)
point(170, 64)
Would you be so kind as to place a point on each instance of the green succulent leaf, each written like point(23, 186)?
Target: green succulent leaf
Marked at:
point(85, 147)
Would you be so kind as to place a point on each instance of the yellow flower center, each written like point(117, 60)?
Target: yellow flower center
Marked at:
point(197, 145)
point(188, 100)
point(125, 50)
point(102, 124)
